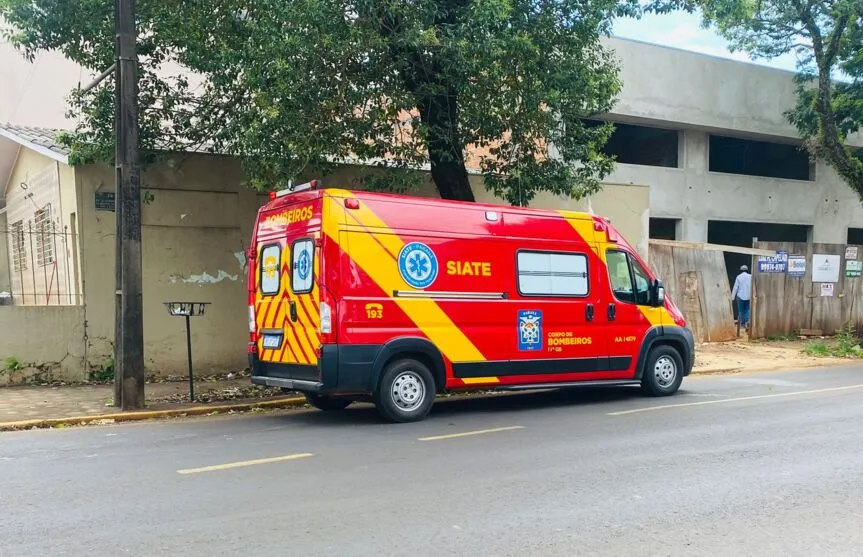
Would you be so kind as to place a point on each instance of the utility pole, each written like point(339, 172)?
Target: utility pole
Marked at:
point(129, 322)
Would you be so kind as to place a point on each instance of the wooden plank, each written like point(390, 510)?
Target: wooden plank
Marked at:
point(690, 305)
point(697, 281)
point(711, 247)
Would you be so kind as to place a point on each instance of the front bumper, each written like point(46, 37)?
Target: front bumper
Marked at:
point(689, 338)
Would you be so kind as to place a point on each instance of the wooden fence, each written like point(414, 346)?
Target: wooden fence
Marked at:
point(816, 290)
point(697, 282)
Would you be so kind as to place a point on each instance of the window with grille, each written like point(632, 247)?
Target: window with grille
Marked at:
point(19, 249)
point(44, 231)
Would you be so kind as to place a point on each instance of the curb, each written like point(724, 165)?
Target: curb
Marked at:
point(717, 370)
point(152, 414)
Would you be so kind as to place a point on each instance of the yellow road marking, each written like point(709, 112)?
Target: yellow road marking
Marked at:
point(469, 433)
point(738, 399)
point(218, 467)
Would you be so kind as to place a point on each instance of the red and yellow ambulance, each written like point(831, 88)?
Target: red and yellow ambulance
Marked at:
point(358, 295)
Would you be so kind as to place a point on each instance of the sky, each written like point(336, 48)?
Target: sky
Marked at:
point(682, 30)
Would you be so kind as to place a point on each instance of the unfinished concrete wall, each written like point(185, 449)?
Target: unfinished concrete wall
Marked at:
point(698, 95)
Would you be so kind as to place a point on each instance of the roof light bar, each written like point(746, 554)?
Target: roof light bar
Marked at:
point(313, 185)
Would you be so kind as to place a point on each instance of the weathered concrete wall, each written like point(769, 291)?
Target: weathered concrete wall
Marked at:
point(48, 343)
point(195, 231)
point(699, 91)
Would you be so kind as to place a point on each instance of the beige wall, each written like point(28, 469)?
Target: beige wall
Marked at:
point(35, 184)
point(48, 342)
point(5, 279)
point(194, 233)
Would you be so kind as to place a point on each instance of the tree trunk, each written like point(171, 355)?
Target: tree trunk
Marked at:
point(829, 141)
point(440, 115)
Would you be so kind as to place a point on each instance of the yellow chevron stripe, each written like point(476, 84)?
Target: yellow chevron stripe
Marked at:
point(367, 252)
point(597, 241)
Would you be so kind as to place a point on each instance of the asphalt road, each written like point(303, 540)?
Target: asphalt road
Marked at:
point(751, 464)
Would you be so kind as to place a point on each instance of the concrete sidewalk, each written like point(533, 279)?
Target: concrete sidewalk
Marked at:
point(25, 404)
point(25, 407)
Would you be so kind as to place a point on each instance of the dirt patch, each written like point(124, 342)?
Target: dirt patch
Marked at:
point(743, 355)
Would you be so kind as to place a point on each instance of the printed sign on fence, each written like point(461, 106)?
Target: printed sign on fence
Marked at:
point(853, 269)
point(775, 264)
point(796, 265)
point(825, 268)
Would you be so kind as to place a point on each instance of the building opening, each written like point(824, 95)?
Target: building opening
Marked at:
point(731, 155)
point(642, 145)
point(855, 236)
point(735, 233)
point(663, 229)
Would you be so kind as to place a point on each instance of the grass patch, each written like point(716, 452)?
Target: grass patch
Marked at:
point(782, 337)
point(12, 364)
point(845, 345)
point(104, 374)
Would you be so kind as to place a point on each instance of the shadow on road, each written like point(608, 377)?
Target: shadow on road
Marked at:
point(365, 414)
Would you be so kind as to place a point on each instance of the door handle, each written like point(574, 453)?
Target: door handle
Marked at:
point(293, 306)
point(612, 312)
point(588, 312)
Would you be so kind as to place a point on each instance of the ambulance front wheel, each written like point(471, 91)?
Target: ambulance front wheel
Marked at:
point(663, 371)
point(406, 391)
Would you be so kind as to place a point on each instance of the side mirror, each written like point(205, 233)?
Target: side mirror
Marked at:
point(657, 297)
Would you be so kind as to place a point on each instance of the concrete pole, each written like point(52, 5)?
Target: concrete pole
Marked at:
point(129, 326)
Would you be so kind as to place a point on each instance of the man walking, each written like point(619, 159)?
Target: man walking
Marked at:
point(742, 292)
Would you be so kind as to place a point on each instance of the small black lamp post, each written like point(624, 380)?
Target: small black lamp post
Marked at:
point(188, 310)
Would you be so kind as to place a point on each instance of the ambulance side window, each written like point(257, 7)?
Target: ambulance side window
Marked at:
point(629, 282)
point(552, 274)
point(302, 266)
point(270, 269)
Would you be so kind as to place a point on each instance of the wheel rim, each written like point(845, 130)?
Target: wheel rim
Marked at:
point(665, 372)
point(408, 391)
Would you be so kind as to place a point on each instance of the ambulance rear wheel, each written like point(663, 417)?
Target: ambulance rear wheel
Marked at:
point(406, 391)
point(327, 403)
point(663, 372)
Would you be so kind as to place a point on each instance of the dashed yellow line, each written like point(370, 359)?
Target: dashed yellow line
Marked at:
point(244, 463)
point(469, 433)
point(738, 399)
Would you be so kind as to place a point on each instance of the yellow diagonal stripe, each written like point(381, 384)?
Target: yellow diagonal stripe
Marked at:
point(374, 253)
point(597, 242)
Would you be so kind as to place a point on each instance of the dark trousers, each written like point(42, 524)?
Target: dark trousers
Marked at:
point(743, 312)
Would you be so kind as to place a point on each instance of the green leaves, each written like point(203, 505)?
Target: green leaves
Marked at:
point(827, 37)
point(296, 87)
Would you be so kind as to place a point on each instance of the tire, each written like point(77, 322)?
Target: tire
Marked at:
point(406, 392)
point(663, 372)
point(327, 403)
